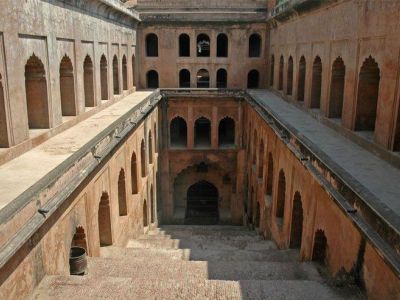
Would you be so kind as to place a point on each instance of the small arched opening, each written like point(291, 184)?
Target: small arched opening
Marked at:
point(152, 45)
point(280, 82)
point(184, 78)
point(152, 79)
point(289, 88)
point(255, 45)
point(203, 45)
point(272, 71)
point(261, 159)
point(150, 148)
point(133, 71)
point(301, 80)
point(143, 158)
point(178, 132)
point(152, 207)
point(296, 230)
point(270, 175)
point(184, 45)
point(319, 249)
point(145, 214)
point(122, 205)
point(222, 79)
point(367, 95)
point(134, 176)
point(88, 81)
point(202, 204)
point(67, 87)
point(104, 78)
point(316, 83)
point(203, 79)
point(337, 89)
point(222, 45)
point(253, 78)
point(226, 132)
point(202, 133)
point(280, 200)
point(79, 238)
point(104, 221)
point(36, 94)
point(124, 73)
point(115, 75)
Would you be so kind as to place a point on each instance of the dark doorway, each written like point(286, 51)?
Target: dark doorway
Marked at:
point(104, 78)
point(226, 132)
point(178, 132)
point(152, 45)
point(281, 64)
point(3, 119)
point(150, 143)
point(184, 78)
point(145, 214)
point(302, 79)
point(134, 176)
point(296, 230)
point(122, 204)
point(88, 82)
point(222, 79)
point(253, 79)
point(270, 175)
point(152, 79)
point(316, 83)
point(133, 71)
point(124, 73)
point(222, 45)
point(67, 87)
point(272, 73)
point(104, 221)
point(202, 204)
point(289, 88)
point(280, 202)
point(152, 208)
point(203, 45)
point(203, 79)
point(254, 45)
point(319, 250)
point(143, 158)
point(367, 96)
point(184, 45)
point(337, 89)
point(202, 133)
point(115, 75)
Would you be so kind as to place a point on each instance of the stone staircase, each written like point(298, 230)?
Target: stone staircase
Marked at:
point(196, 262)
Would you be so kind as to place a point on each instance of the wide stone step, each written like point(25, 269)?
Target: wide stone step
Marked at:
point(210, 230)
point(162, 269)
point(122, 253)
point(85, 287)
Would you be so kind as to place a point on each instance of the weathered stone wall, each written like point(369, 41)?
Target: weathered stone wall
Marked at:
point(352, 31)
point(50, 31)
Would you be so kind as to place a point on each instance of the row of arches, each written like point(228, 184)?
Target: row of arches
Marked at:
point(203, 45)
point(203, 79)
point(37, 90)
point(202, 133)
point(278, 207)
point(367, 90)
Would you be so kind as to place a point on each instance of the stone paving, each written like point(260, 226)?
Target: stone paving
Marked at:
point(370, 173)
point(217, 262)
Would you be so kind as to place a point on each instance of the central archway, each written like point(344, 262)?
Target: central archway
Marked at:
point(202, 204)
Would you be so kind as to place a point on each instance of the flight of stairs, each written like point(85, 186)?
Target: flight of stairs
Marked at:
point(196, 262)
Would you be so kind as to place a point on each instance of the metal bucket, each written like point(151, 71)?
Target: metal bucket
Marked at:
point(77, 261)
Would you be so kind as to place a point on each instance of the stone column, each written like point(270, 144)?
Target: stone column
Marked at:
point(190, 128)
point(214, 128)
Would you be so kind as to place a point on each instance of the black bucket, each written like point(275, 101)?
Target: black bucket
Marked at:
point(77, 261)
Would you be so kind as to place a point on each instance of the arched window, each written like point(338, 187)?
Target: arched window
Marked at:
point(289, 89)
point(143, 158)
point(337, 89)
point(280, 202)
point(226, 132)
point(261, 159)
point(203, 45)
point(133, 71)
point(222, 45)
point(155, 138)
point(178, 132)
point(150, 148)
point(184, 45)
point(296, 229)
point(104, 78)
point(367, 95)
point(270, 175)
point(280, 83)
point(134, 176)
point(115, 75)
point(319, 249)
point(152, 79)
point(222, 78)
point(302, 79)
point(145, 214)
point(272, 73)
point(122, 205)
point(254, 45)
point(88, 82)
point(184, 78)
point(202, 132)
point(36, 93)
point(151, 205)
point(253, 78)
point(67, 87)
point(104, 221)
point(3, 121)
point(124, 73)
point(152, 45)
point(316, 83)
point(203, 79)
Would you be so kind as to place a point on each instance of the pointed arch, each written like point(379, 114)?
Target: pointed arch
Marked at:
point(134, 174)
point(124, 73)
point(145, 214)
point(289, 87)
point(272, 71)
point(337, 88)
point(316, 83)
point(104, 77)
point(150, 148)
point(281, 65)
point(122, 204)
point(301, 79)
point(319, 249)
point(67, 87)
point(143, 158)
point(202, 132)
point(104, 221)
point(116, 75)
point(88, 81)
point(178, 132)
point(226, 132)
point(296, 229)
point(281, 197)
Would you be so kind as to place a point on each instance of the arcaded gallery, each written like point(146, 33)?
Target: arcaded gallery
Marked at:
point(180, 149)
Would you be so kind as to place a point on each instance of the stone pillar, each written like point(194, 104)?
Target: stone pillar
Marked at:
point(190, 128)
point(214, 128)
point(237, 201)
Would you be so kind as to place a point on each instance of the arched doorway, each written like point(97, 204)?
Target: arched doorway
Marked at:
point(88, 81)
point(203, 45)
point(296, 229)
point(124, 73)
point(316, 83)
point(152, 208)
point(67, 87)
point(202, 204)
point(202, 133)
point(145, 220)
point(115, 75)
point(103, 78)
point(184, 45)
point(222, 79)
point(222, 45)
point(253, 78)
point(301, 79)
point(289, 88)
point(203, 79)
point(226, 133)
point(104, 221)
point(337, 89)
point(122, 204)
point(184, 78)
point(272, 71)
point(152, 45)
point(319, 249)
point(255, 45)
point(281, 64)
point(178, 132)
point(152, 79)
